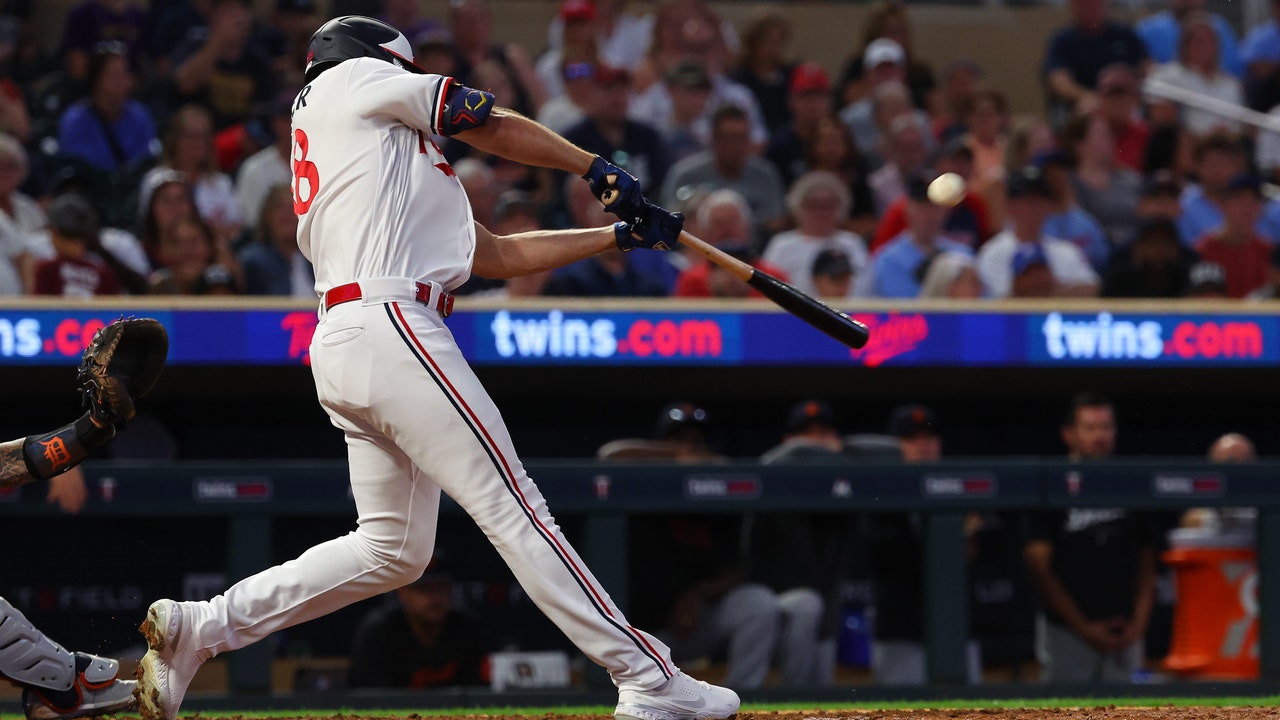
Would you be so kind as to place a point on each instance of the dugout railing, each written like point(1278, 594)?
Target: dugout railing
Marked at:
point(605, 496)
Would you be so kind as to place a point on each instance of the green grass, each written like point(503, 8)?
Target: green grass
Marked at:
point(1263, 701)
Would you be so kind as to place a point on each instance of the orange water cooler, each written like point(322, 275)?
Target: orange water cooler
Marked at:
point(1215, 621)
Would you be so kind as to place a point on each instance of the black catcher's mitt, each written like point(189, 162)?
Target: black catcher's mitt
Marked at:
point(120, 365)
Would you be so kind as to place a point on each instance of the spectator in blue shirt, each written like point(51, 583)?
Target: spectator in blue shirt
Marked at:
point(1219, 158)
point(1160, 33)
point(1069, 221)
point(271, 262)
point(896, 267)
point(108, 130)
point(1077, 54)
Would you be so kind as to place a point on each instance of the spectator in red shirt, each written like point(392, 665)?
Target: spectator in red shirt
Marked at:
point(1118, 104)
point(1237, 246)
point(73, 272)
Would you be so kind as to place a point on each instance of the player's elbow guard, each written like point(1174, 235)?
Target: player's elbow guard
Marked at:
point(464, 109)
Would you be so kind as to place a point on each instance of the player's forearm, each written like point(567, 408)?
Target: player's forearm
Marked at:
point(13, 469)
point(507, 256)
point(515, 137)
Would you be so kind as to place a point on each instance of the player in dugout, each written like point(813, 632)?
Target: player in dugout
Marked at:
point(121, 363)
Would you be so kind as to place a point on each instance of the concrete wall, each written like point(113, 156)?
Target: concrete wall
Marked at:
point(1008, 42)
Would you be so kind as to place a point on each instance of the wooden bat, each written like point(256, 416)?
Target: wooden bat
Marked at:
point(815, 312)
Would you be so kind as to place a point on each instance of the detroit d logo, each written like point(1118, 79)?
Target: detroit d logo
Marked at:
point(55, 451)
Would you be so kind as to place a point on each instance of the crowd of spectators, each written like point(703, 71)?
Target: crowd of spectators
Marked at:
point(172, 120)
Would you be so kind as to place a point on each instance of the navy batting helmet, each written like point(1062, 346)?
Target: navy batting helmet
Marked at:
point(353, 36)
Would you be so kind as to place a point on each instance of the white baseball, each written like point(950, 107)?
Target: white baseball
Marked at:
point(947, 189)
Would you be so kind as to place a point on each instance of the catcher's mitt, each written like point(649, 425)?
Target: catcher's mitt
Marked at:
point(120, 365)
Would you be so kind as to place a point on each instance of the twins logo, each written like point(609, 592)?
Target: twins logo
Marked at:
point(891, 335)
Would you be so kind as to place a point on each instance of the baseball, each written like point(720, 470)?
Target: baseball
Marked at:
point(946, 189)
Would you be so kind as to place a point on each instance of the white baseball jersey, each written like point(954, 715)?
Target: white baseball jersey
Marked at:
point(374, 195)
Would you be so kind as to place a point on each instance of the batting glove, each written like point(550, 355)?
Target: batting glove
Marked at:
point(653, 229)
point(616, 189)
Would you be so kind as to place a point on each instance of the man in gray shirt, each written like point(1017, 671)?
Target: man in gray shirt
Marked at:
point(732, 162)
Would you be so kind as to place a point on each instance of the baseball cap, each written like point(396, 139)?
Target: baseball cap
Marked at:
point(883, 50)
point(679, 415)
point(577, 10)
point(832, 263)
point(689, 74)
point(1027, 182)
point(809, 412)
point(809, 77)
point(1027, 256)
point(908, 421)
point(1206, 277)
point(71, 216)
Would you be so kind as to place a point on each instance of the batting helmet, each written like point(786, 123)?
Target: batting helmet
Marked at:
point(353, 36)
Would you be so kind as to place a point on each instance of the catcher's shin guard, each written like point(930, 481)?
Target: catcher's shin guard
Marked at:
point(28, 657)
point(54, 453)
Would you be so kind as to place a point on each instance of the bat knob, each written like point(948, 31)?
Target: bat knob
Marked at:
point(608, 196)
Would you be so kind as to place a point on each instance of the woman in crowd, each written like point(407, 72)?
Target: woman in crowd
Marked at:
point(165, 197)
point(272, 263)
point(950, 275)
point(1198, 70)
point(831, 148)
point(1105, 189)
point(888, 19)
point(191, 261)
point(819, 204)
point(188, 148)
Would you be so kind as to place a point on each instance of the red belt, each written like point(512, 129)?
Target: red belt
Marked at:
point(421, 292)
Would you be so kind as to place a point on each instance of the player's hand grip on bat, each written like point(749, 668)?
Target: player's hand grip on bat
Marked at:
point(616, 189)
point(653, 229)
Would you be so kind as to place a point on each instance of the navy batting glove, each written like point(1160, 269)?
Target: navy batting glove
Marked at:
point(655, 229)
point(616, 189)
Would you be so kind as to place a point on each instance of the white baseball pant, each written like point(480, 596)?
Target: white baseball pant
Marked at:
point(417, 421)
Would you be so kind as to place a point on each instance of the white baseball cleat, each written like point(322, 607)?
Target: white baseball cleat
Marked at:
point(682, 698)
point(167, 669)
point(96, 691)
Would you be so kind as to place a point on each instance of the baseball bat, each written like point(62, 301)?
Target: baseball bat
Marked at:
point(813, 311)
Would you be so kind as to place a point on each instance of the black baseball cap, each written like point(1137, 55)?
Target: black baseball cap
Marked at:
point(71, 216)
point(832, 263)
point(679, 415)
point(908, 421)
point(809, 412)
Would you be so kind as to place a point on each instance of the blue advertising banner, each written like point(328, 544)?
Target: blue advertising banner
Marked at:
point(683, 337)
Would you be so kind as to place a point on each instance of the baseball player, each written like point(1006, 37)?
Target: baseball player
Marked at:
point(387, 226)
point(119, 365)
